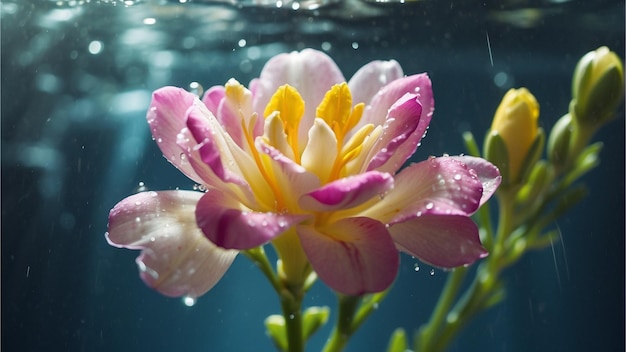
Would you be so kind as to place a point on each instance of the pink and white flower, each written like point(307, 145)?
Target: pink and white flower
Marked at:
point(308, 162)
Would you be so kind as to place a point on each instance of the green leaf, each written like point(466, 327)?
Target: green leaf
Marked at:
point(276, 330)
point(313, 319)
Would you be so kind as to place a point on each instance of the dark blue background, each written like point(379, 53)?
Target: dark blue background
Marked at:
point(75, 141)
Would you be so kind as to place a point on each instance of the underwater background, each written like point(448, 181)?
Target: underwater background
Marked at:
point(76, 82)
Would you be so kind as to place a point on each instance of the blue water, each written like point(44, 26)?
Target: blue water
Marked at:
point(76, 82)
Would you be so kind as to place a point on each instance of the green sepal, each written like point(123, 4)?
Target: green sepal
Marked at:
point(398, 341)
point(582, 73)
point(496, 152)
point(470, 144)
point(534, 153)
point(314, 318)
point(498, 293)
point(559, 141)
point(275, 328)
point(586, 160)
point(540, 178)
point(597, 108)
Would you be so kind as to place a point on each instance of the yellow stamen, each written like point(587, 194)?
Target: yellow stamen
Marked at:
point(290, 106)
point(336, 110)
point(351, 150)
point(271, 181)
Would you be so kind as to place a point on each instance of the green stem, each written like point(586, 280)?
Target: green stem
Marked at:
point(344, 327)
point(290, 299)
point(291, 303)
point(431, 331)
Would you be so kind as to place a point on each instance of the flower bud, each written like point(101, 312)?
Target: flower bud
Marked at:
point(515, 123)
point(597, 87)
point(559, 141)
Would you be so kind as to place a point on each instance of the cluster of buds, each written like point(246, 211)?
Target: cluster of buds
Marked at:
point(597, 90)
point(515, 143)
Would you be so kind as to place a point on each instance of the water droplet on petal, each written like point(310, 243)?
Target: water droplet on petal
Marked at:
point(458, 177)
point(196, 88)
point(430, 205)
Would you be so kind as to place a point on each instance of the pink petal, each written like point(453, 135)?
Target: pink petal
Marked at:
point(420, 84)
point(167, 116)
point(434, 186)
point(227, 224)
point(403, 118)
point(369, 79)
point(353, 256)
point(293, 179)
point(310, 71)
point(442, 240)
point(212, 146)
point(487, 173)
point(347, 192)
point(212, 98)
point(176, 259)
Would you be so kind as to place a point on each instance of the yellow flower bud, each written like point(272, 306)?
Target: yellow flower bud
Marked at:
point(597, 87)
point(515, 122)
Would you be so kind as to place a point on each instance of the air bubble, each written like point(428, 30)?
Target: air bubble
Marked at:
point(432, 272)
point(189, 301)
point(416, 267)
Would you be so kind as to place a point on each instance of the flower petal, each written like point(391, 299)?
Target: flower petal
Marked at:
point(487, 173)
point(176, 258)
point(369, 79)
point(167, 116)
point(347, 192)
point(212, 98)
point(322, 145)
point(353, 256)
point(402, 120)
point(445, 241)
point(218, 159)
point(291, 179)
point(213, 146)
point(311, 72)
point(434, 186)
point(229, 225)
point(418, 84)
